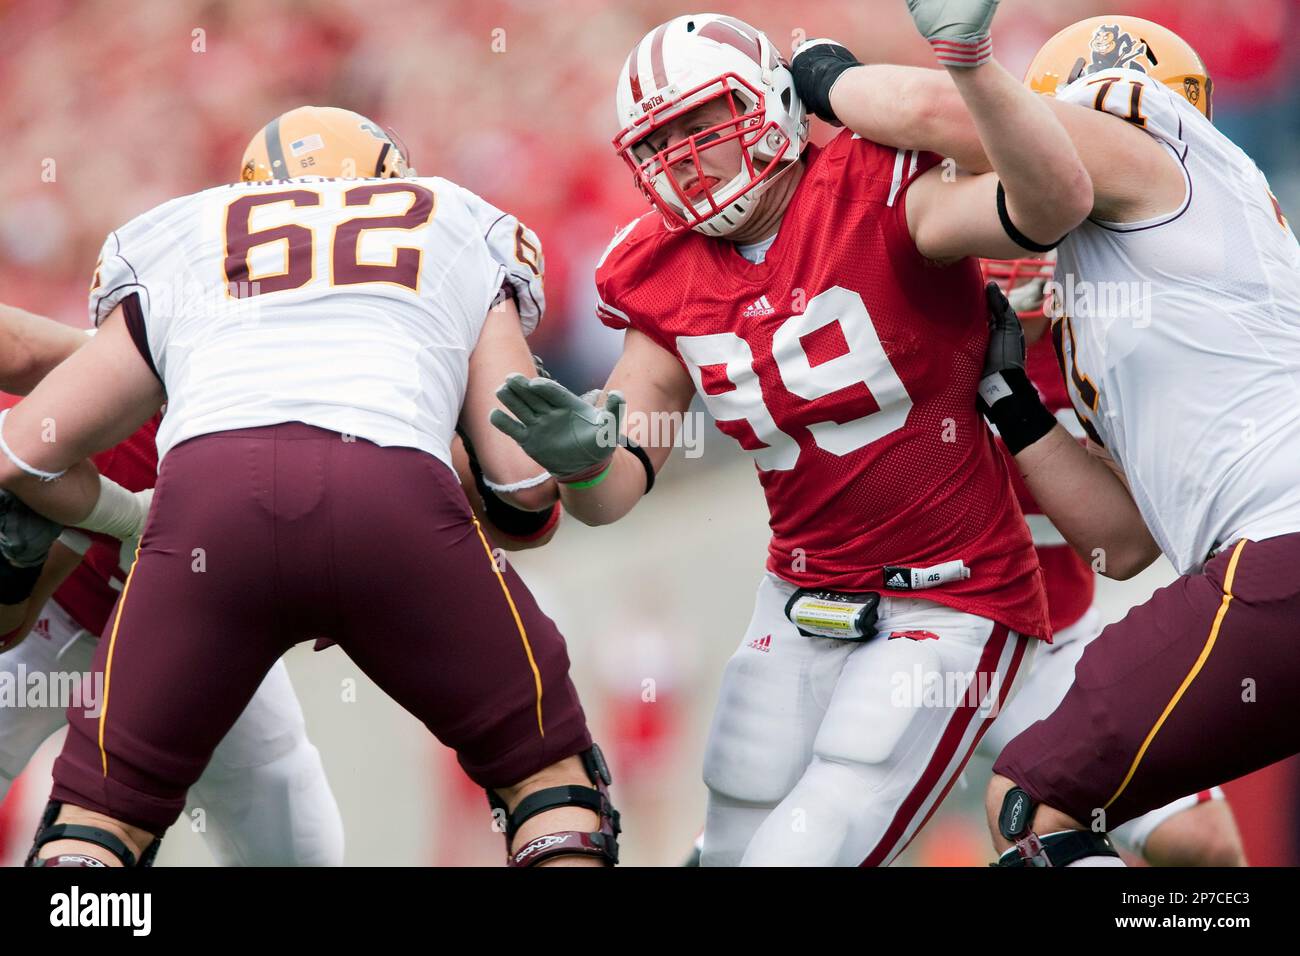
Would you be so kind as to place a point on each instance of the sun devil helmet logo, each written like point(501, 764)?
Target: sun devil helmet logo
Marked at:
point(1112, 48)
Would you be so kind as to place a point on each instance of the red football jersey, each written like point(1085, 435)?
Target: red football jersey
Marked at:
point(847, 364)
point(90, 592)
point(1070, 581)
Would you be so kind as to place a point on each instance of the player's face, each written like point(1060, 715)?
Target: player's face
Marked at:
point(720, 161)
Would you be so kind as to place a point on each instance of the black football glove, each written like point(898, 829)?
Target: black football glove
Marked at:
point(25, 541)
point(1007, 397)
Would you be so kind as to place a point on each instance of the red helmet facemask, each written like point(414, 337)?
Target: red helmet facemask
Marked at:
point(704, 196)
point(1019, 276)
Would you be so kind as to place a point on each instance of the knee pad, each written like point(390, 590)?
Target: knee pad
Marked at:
point(602, 843)
point(48, 831)
point(1015, 820)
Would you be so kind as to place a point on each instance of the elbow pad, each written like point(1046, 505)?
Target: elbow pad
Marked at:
point(816, 65)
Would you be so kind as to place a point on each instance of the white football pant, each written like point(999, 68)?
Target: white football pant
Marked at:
point(825, 752)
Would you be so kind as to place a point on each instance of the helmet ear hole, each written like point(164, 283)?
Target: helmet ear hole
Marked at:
point(785, 98)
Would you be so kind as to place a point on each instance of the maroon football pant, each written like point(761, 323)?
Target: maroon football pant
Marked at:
point(1193, 688)
point(261, 538)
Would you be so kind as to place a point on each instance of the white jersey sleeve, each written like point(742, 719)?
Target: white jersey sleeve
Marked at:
point(519, 252)
point(119, 272)
point(1137, 98)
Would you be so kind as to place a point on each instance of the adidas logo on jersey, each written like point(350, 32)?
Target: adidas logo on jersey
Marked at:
point(763, 644)
point(759, 308)
point(898, 580)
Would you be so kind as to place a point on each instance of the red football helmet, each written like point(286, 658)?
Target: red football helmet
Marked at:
point(1023, 282)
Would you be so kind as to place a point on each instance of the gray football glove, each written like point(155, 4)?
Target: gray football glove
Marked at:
point(25, 536)
point(558, 429)
point(958, 30)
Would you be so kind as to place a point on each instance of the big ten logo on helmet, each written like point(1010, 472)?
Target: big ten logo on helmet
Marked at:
point(1104, 302)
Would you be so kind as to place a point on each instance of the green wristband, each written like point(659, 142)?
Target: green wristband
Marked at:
point(590, 482)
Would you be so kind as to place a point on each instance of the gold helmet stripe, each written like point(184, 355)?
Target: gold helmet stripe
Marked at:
point(275, 150)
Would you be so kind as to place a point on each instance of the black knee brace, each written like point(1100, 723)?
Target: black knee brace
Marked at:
point(602, 843)
point(48, 831)
point(1056, 849)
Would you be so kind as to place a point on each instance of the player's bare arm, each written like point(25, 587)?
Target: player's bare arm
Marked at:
point(1082, 490)
point(30, 346)
point(1084, 494)
point(502, 351)
point(54, 430)
point(600, 479)
point(498, 537)
point(1133, 177)
point(1047, 190)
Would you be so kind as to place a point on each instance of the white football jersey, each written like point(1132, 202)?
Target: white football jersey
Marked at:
point(1180, 336)
point(352, 305)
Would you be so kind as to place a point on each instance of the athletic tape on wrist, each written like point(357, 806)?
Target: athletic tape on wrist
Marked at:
point(523, 485)
point(18, 462)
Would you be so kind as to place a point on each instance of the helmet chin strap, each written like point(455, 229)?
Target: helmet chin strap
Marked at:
point(717, 226)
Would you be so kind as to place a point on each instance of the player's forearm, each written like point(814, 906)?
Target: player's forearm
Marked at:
point(909, 108)
point(1048, 191)
point(614, 496)
point(69, 500)
point(1088, 503)
point(30, 346)
point(525, 528)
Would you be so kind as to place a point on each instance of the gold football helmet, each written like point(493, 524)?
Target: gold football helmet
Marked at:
point(1102, 43)
point(322, 141)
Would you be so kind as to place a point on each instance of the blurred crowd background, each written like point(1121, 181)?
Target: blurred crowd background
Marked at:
point(114, 106)
point(511, 99)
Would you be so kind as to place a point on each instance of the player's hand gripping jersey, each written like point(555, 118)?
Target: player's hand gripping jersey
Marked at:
point(847, 364)
point(385, 284)
point(1203, 305)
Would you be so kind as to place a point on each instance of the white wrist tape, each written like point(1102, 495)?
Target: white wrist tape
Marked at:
point(74, 540)
point(34, 472)
point(118, 512)
point(532, 482)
